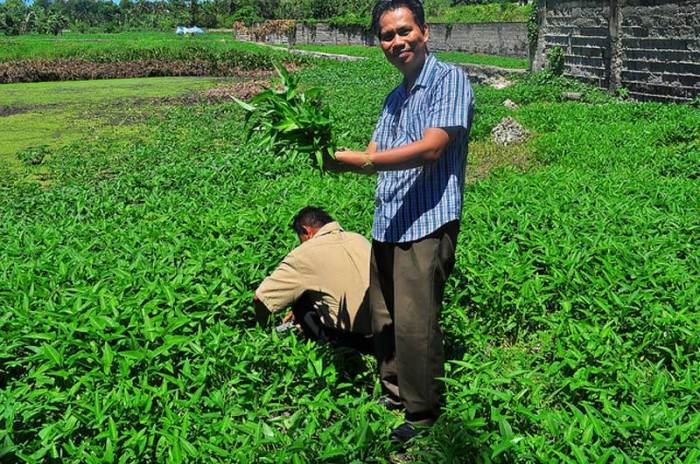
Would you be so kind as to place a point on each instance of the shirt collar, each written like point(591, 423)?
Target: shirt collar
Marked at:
point(424, 75)
point(327, 229)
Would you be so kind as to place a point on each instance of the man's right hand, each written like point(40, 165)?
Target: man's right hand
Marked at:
point(337, 166)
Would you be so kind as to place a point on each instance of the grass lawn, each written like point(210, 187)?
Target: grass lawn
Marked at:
point(450, 57)
point(490, 60)
point(59, 113)
point(78, 45)
point(353, 50)
point(100, 91)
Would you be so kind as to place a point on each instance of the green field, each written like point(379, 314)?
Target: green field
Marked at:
point(489, 60)
point(571, 319)
point(215, 46)
point(53, 114)
point(126, 45)
point(450, 57)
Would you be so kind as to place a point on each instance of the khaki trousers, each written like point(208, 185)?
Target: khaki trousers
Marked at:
point(407, 282)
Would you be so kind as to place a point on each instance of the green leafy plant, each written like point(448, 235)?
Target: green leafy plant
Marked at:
point(350, 20)
point(695, 102)
point(438, 11)
point(570, 320)
point(533, 25)
point(291, 121)
point(556, 61)
point(34, 155)
point(623, 93)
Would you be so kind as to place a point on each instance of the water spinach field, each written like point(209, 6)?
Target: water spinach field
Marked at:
point(128, 263)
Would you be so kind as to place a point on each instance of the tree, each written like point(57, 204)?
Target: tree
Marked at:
point(12, 14)
point(44, 5)
point(55, 23)
point(193, 13)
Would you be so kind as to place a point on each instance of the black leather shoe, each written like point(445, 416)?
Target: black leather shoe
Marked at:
point(403, 433)
point(390, 403)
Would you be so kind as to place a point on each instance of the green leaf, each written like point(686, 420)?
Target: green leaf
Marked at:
point(107, 357)
point(53, 355)
point(114, 435)
point(246, 106)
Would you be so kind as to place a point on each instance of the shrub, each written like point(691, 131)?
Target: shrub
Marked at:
point(556, 61)
point(247, 15)
point(291, 121)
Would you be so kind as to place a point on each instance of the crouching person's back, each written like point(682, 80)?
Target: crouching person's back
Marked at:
point(324, 281)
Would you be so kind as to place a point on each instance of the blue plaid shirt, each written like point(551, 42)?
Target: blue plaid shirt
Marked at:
point(413, 203)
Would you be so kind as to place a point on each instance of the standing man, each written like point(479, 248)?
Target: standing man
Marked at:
point(420, 153)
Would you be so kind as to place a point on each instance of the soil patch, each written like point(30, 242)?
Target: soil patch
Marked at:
point(10, 110)
point(128, 110)
point(485, 157)
point(243, 91)
point(68, 70)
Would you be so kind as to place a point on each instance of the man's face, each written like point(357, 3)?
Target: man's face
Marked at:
point(403, 42)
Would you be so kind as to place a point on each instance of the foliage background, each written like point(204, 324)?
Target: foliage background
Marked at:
point(52, 16)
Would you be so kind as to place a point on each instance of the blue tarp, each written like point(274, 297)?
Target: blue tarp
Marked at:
point(181, 30)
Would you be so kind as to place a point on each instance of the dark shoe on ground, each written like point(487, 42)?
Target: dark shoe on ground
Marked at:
point(424, 419)
point(414, 425)
point(403, 433)
point(390, 403)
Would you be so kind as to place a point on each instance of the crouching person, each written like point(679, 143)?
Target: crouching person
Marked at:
point(325, 281)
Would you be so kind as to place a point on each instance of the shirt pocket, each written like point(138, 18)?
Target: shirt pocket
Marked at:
point(382, 132)
point(417, 115)
point(394, 185)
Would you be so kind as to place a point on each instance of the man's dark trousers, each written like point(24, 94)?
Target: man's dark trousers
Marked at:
point(315, 330)
point(407, 282)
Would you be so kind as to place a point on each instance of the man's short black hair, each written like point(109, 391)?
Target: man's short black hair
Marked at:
point(382, 6)
point(310, 216)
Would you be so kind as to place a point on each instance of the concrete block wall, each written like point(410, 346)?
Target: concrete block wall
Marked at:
point(651, 48)
point(325, 34)
point(660, 49)
point(581, 29)
point(318, 34)
point(504, 39)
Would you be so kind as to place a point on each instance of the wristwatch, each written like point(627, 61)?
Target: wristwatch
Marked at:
point(368, 160)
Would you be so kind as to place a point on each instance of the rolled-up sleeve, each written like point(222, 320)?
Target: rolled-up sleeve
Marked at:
point(452, 104)
point(284, 286)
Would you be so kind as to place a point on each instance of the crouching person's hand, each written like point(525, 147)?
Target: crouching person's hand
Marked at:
point(262, 314)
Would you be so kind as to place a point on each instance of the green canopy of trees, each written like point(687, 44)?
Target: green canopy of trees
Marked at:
point(52, 16)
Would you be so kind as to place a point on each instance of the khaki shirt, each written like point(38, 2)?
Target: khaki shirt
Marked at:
point(332, 269)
